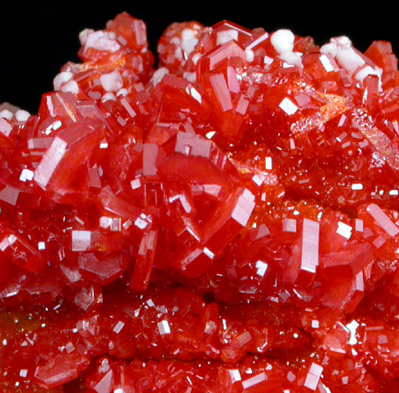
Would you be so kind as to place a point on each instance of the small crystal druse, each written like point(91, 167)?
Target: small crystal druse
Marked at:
point(227, 222)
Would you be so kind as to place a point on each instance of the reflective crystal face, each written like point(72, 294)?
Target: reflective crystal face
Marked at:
point(228, 222)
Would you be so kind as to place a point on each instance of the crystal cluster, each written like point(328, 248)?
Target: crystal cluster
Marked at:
point(226, 222)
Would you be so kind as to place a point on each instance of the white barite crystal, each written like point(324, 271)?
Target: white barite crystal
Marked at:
point(25, 175)
point(188, 34)
point(310, 245)
point(283, 40)
point(224, 36)
point(249, 55)
point(258, 40)
point(190, 76)
point(136, 183)
point(128, 107)
point(150, 303)
point(81, 240)
point(313, 376)
point(268, 163)
point(335, 44)
point(348, 59)
point(61, 78)
point(288, 106)
point(70, 87)
point(6, 114)
point(352, 327)
point(344, 230)
point(108, 97)
point(111, 82)
point(158, 75)
point(163, 327)
point(41, 246)
point(195, 94)
point(255, 380)
point(189, 45)
point(292, 58)
point(382, 220)
point(210, 134)
point(178, 54)
point(325, 62)
point(22, 115)
point(326, 388)
point(99, 40)
point(289, 225)
point(69, 347)
point(113, 224)
point(175, 41)
point(261, 268)
point(244, 207)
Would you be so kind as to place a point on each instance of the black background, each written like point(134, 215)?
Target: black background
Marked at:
point(36, 40)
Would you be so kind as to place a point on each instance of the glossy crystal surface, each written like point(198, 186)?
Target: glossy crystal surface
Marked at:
point(227, 222)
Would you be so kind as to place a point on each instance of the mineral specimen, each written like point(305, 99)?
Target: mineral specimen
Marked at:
point(227, 222)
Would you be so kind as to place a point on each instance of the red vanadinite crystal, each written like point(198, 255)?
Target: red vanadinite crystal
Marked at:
point(228, 222)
